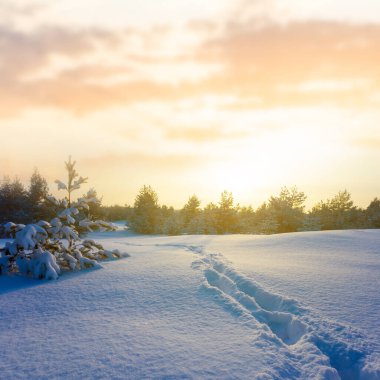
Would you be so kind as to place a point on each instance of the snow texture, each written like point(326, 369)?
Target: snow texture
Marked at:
point(292, 306)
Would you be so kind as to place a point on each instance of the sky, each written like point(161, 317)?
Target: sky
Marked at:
point(193, 97)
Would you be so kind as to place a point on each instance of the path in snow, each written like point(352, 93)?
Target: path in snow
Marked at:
point(180, 307)
point(145, 317)
point(350, 350)
point(276, 312)
point(345, 346)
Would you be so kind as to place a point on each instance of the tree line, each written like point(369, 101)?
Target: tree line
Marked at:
point(284, 212)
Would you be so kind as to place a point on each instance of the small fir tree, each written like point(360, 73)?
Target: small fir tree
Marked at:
point(146, 213)
point(45, 249)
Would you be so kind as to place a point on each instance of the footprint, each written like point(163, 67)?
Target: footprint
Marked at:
point(284, 325)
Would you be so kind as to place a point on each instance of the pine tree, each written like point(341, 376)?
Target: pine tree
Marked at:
point(226, 219)
point(146, 213)
point(37, 198)
point(288, 209)
point(13, 201)
point(190, 214)
point(210, 219)
point(95, 210)
point(246, 220)
point(44, 250)
point(373, 213)
point(72, 182)
point(337, 213)
point(265, 220)
point(170, 223)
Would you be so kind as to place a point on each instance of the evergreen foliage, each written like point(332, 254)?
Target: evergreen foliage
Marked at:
point(373, 213)
point(38, 206)
point(284, 212)
point(190, 212)
point(287, 209)
point(145, 217)
point(13, 201)
point(45, 249)
point(116, 212)
point(226, 218)
point(336, 213)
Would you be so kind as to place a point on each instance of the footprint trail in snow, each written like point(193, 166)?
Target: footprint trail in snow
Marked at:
point(300, 329)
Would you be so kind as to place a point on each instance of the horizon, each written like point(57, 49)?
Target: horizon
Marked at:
point(194, 98)
point(87, 186)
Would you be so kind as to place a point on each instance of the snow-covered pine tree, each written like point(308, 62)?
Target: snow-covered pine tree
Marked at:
point(45, 249)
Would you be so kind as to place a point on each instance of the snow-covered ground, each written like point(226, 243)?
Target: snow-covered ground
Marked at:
point(292, 306)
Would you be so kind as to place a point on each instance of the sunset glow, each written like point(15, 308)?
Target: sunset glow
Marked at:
point(192, 97)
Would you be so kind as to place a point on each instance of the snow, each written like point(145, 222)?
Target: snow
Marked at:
point(291, 306)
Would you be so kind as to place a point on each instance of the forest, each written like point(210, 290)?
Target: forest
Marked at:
point(285, 212)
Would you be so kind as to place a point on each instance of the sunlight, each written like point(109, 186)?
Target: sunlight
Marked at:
point(207, 97)
point(216, 162)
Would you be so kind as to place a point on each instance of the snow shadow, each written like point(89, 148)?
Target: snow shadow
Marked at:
point(16, 281)
point(347, 360)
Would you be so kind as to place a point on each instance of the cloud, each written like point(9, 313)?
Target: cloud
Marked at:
point(259, 59)
point(25, 52)
point(256, 62)
point(78, 97)
point(296, 51)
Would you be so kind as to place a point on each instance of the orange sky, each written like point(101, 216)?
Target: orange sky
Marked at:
point(191, 97)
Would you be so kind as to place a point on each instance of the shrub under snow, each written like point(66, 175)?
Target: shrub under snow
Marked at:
point(45, 249)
